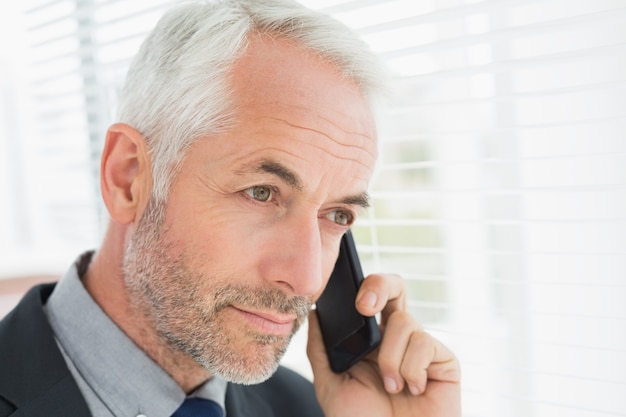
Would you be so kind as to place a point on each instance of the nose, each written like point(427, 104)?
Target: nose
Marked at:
point(294, 257)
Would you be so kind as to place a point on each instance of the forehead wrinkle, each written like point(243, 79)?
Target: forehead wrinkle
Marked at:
point(306, 110)
point(251, 166)
point(364, 137)
point(333, 154)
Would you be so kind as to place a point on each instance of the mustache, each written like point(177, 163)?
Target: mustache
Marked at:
point(262, 298)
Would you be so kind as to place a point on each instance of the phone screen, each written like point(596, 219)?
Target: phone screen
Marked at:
point(348, 335)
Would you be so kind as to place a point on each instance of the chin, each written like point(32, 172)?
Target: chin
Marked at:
point(250, 363)
point(253, 366)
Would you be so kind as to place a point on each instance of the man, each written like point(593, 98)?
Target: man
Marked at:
point(243, 153)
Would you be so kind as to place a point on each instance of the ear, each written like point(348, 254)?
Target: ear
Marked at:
point(125, 173)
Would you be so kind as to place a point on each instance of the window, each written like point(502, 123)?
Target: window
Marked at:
point(500, 197)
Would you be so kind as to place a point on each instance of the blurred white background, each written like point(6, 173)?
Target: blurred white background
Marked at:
point(501, 193)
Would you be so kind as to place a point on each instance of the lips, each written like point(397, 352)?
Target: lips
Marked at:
point(270, 323)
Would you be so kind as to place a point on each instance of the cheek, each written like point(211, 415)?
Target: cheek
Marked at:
point(206, 223)
point(209, 245)
point(329, 258)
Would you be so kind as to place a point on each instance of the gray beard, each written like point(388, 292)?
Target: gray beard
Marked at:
point(167, 291)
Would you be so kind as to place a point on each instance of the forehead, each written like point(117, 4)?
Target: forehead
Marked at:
point(292, 106)
point(277, 79)
point(294, 109)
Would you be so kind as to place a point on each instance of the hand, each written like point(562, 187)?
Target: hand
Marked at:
point(410, 374)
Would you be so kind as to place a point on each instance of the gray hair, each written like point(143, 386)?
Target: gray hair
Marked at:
point(177, 89)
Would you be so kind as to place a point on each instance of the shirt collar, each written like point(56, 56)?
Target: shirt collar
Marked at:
point(125, 379)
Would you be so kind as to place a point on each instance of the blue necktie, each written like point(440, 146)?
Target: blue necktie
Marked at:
point(198, 407)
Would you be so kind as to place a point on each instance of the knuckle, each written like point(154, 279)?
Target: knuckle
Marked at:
point(374, 282)
point(386, 364)
point(411, 373)
point(403, 319)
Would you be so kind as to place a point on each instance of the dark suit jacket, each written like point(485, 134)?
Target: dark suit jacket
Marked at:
point(35, 381)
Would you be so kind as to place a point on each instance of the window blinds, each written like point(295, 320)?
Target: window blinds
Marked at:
point(501, 191)
point(501, 195)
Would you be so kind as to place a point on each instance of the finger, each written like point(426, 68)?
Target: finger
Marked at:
point(427, 359)
point(416, 362)
point(381, 293)
point(393, 349)
point(411, 357)
point(445, 366)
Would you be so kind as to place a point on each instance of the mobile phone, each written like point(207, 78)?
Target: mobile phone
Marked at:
point(348, 335)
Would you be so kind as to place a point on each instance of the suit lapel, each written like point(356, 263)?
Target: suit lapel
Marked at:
point(40, 383)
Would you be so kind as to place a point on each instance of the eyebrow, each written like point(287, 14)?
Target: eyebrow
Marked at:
point(282, 172)
point(362, 200)
point(293, 180)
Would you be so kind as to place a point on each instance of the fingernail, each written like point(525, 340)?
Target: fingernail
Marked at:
point(414, 390)
point(390, 385)
point(368, 299)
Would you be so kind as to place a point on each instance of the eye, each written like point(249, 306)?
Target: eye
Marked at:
point(341, 217)
point(262, 193)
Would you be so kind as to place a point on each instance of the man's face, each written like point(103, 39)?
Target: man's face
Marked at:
point(251, 229)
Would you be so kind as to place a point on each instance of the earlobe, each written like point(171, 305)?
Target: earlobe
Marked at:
point(125, 177)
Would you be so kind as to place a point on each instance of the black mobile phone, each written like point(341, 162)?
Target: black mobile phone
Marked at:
point(348, 335)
